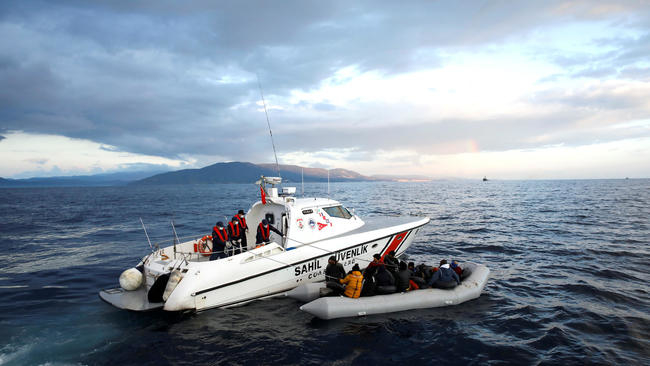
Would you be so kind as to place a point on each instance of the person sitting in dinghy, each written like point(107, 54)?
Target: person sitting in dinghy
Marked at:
point(416, 276)
point(402, 278)
point(333, 273)
point(391, 262)
point(385, 281)
point(353, 283)
point(264, 232)
point(219, 240)
point(457, 269)
point(444, 277)
point(373, 266)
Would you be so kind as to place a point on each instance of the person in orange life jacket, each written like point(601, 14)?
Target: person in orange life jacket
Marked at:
point(235, 233)
point(241, 217)
point(219, 239)
point(264, 232)
point(353, 283)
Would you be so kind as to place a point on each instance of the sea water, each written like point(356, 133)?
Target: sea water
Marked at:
point(569, 281)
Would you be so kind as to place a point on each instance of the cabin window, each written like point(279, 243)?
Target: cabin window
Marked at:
point(338, 211)
point(307, 211)
point(270, 218)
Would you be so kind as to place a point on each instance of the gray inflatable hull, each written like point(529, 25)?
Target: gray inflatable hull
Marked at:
point(341, 307)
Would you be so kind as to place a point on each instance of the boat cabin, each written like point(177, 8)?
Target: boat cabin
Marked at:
point(302, 220)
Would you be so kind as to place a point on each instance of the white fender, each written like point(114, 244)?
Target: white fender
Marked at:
point(174, 279)
point(131, 279)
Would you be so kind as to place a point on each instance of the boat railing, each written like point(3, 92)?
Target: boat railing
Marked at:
point(181, 240)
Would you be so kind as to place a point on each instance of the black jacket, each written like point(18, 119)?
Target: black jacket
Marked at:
point(402, 280)
point(384, 278)
point(334, 271)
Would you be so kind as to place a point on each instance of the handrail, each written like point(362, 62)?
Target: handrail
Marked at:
point(181, 239)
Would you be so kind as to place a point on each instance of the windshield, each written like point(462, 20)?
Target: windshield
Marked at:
point(338, 211)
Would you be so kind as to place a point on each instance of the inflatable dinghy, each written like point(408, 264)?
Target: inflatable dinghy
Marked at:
point(340, 307)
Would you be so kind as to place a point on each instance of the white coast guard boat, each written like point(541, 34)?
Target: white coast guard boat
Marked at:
point(313, 230)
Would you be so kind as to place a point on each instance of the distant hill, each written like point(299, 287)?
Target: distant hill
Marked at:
point(97, 180)
point(233, 172)
point(402, 178)
point(239, 172)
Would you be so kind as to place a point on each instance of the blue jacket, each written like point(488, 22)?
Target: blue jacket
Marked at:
point(444, 275)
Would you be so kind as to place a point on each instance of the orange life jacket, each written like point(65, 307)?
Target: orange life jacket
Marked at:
point(242, 221)
point(223, 238)
point(232, 229)
point(265, 235)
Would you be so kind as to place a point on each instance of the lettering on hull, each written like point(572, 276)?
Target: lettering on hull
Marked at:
point(315, 269)
point(307, 267)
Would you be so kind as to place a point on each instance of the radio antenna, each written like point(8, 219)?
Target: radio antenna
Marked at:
point(277, 165)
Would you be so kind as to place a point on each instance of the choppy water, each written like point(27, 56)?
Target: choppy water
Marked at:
point(569, 260)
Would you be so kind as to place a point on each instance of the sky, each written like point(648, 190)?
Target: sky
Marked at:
point(504, 89)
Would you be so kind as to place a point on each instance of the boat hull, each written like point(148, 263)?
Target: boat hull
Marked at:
point(239, 279)
point(129, 300)
point(341, 307)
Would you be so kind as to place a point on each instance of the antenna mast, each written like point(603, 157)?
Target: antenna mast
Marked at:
point(302, 179)
point(277, 165)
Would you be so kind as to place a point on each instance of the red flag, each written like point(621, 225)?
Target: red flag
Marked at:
point(263, 195)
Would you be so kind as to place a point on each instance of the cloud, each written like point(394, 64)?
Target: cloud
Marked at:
point(178, 81)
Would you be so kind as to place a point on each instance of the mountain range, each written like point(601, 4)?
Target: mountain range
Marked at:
point(232, 172)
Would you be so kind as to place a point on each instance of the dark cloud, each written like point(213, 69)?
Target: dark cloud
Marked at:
point(178, 78)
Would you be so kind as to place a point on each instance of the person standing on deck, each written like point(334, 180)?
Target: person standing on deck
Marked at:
point(241, 217)
point(235, 233)
point(264, 232)
point(219, 239)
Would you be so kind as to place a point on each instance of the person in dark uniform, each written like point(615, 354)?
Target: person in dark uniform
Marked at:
point(264, 233)
point(241, 217)
point(235, 233)
point(219, 239)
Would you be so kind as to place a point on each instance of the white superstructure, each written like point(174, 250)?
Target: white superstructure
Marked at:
point(313, 230)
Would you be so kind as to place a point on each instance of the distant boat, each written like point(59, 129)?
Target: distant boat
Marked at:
point(485, 179)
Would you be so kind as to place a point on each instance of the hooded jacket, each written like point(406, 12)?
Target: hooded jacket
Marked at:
point(353, 282)
point(445, 276)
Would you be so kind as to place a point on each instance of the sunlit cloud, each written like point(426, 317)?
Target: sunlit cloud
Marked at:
point(66, 156)
point(430, 88)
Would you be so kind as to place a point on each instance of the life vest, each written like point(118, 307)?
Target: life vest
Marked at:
point(218, 231)
point(235, 233)
point(202, 246)
point(242, 221)
point(265, 235)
